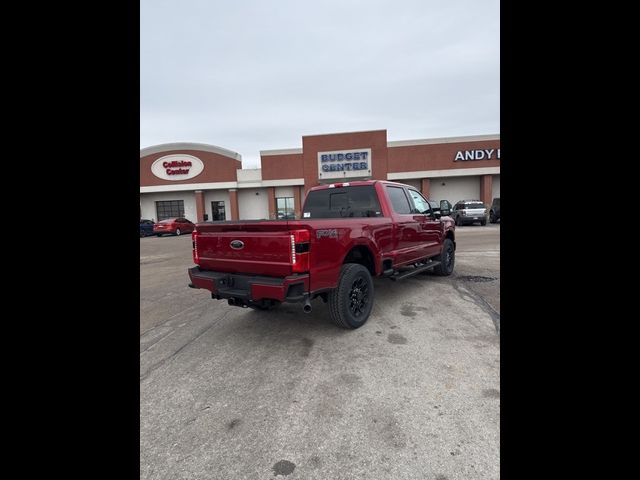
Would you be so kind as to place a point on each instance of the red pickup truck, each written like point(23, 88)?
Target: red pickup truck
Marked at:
point(348, 233)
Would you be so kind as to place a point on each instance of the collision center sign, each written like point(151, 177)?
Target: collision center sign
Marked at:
point(177, 167)
point(344, 163)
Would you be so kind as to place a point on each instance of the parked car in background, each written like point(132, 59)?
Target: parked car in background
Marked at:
point(146, 227)
point(494, 213)
point(467, 212)
point(173, 226)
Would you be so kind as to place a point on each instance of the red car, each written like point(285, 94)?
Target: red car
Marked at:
point(175, 226)
point(349, 232)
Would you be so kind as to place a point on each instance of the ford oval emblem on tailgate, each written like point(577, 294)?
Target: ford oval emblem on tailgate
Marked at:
point(237, 244)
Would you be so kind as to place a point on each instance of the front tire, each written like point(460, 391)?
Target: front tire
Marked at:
point(447, 259)
point(483, 222)
point(351, 302)
point(178, 232)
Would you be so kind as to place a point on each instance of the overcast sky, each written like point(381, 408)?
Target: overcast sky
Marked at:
point(251, 75)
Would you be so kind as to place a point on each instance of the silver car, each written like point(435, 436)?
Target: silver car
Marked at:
point(467, 212)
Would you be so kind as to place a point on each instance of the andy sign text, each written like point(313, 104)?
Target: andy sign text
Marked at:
point(487, 154)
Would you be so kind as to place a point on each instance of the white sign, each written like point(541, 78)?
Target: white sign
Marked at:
point(344, 164)
point(489, 154)
point(177, 167)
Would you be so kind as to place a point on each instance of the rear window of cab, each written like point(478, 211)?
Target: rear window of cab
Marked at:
point(342, 202)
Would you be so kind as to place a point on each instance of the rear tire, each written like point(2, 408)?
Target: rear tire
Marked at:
point(492, 217)
point(351, 302)
point(447, 259)
point(178, 232)
point(483, 222)
point(458, 222)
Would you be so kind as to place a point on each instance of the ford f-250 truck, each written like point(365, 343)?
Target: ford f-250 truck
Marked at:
point(348, 233)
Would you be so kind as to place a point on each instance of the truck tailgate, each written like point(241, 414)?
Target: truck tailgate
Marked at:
point(261, 247)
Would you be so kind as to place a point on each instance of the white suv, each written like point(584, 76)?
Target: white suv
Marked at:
point(467, 212)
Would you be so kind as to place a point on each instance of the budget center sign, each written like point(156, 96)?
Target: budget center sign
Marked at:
point(344, 164)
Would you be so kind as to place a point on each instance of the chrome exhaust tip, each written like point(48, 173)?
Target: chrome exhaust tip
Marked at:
point(307, 305)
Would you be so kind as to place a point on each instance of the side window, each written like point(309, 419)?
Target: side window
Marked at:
point(422, 206)
point(399, 200)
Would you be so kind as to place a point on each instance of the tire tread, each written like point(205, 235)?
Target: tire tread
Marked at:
point(337, 296)
point(440, 269)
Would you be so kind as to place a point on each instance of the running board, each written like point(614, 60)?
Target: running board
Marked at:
point(415, 271)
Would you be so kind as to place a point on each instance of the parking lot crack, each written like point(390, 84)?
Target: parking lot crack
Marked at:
point(160, 325)
point(157, 365)
point(471, 296)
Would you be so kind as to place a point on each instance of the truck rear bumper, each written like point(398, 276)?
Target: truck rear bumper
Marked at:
point(250, 288)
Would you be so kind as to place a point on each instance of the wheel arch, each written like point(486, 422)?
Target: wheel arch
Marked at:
point(361, 253)
point(449, 234)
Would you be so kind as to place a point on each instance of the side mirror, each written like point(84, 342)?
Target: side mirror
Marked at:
point(445, 207)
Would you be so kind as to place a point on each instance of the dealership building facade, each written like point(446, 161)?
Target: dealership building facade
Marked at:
point(203, 182)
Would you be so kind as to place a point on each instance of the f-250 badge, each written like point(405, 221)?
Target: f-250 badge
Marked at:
point(330, 233)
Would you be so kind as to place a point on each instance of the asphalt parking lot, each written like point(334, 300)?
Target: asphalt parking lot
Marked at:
point(231, 393)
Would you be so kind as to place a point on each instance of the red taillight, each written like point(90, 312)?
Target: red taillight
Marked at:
point(194, 239)
point(299, 251)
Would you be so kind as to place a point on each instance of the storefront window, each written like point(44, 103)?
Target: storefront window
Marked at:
point(285, 210)
point(170, 209)
point(218, 212)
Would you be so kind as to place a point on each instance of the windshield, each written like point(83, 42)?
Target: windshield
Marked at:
point(342, 202)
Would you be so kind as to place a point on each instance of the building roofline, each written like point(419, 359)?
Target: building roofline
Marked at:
point(397, 143)
point(430, 141)
point(282, 151)
point(203, 147)
point(344, 133)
